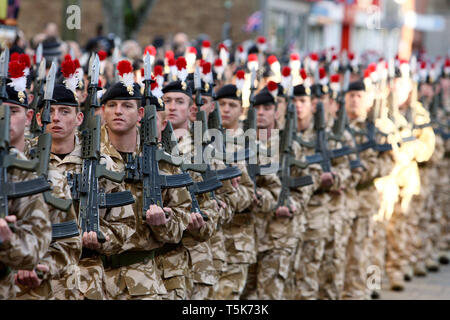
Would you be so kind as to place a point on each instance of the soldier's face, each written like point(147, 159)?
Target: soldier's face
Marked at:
point(332, 107)
point(122, 116)
point(65, 120)
point(265, 116)
point(230, 110)
point(208, 107)
point(177, 109)
point(304, 107)
point(20, 118)
point(354, 104)
point(426, 90)
point(281, 107)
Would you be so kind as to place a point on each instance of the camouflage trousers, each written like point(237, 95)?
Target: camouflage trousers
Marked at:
point(397, 248)
point(232, 282)
point(175, 266)
point(202, 272)
point(139, 281)
point(357, 261)
point(377, 250)
point(43, 292)
point(91, 278)
point(307, 263)
point(267, 278)
point(201, 291)
point(62, 292)
point(8, 289)
point(332, 270)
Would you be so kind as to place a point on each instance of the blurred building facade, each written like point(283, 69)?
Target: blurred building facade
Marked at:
point(300, 25)
point(356, 25)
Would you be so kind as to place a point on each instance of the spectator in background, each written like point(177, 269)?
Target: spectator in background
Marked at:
point(132, 50)
point(180, 43)
point(51, 30)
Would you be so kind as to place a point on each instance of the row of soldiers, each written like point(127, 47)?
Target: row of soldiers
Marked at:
point(358, 187)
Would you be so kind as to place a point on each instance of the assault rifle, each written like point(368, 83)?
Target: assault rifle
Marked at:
point(288, 157)
point(13, 190)
point(85, 186)
point(229, 172)
point(38, 94)
point(145, 168)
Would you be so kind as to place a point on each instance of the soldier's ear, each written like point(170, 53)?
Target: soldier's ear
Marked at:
point(80, 117)
point(29, 115)
point(38, 119)
point(141, 112)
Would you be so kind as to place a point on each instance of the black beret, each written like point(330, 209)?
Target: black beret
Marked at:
point(228, 91)
point(119, 92)
point(178, 86)
point(281, 92)
point(63, 96)
point(323, 89)
point(356, 86)
point(205, 86)
point(300, 91)
point(13, 96)
point(264, 97)
point(153, 101)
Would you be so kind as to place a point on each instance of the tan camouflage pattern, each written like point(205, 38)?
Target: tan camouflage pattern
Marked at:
point(309, 252)
point(202, 272)
point(332, 271)
point(32, 237)
point(63, 254)
point(140, 280)
point(239, 235)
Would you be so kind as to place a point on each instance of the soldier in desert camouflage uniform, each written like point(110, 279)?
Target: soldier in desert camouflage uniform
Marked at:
point(310, 252)
point(63, 255)
point(136, 275)
point(277, 231)
point(357, 255)
point(179, 265)
point(239, 232)
point(26, 246)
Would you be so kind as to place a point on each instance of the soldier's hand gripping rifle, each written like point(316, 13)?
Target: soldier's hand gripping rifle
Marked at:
point(323, 155)
point(13, 190)
point(230, 172)
point(340, 125)
point(168, 140)
point(38, 92)
point(145, 168)
point(85, 186)
point(288, 157)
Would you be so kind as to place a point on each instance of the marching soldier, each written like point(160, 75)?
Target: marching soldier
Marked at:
point(240, 231)
point(63, 255)
point(130, 265)
point(25, 233)
point(179, 267)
